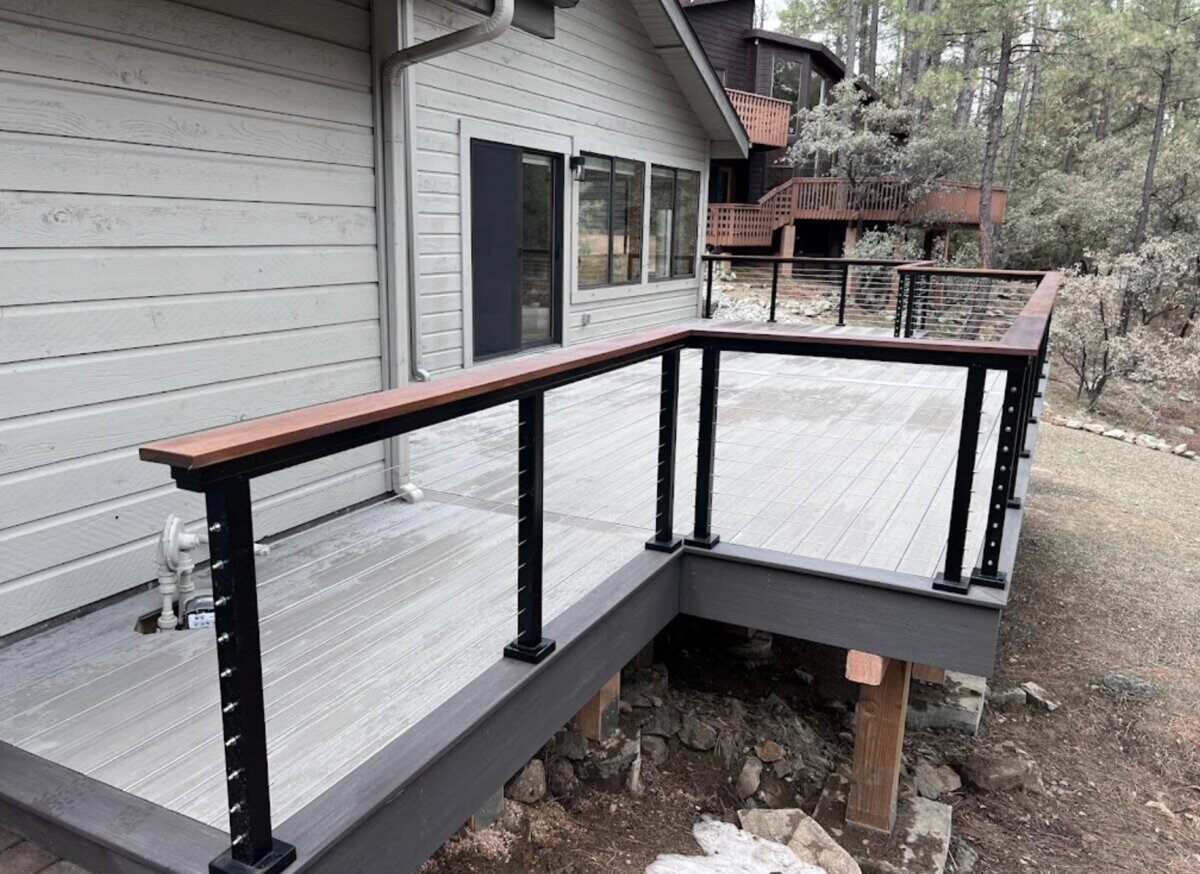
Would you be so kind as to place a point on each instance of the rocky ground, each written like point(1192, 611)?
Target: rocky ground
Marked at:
point(1087, 757)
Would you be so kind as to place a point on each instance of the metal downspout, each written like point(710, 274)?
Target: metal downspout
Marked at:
point(392, 71)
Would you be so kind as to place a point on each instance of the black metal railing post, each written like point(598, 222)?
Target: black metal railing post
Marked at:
point(708, 291)
point(702, 534)
point(842, 297)
point(774, 288)
point(909, 303)
point(665, 539)
point(1000, 490)
point(901, 282)
point(530, 646)
point(951, 578)
point(239, 660)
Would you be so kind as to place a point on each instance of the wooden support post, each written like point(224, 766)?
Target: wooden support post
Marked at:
point(597, 719)
point(865, 668)
point(787, 247)
point(877, 749)
point(929, 674)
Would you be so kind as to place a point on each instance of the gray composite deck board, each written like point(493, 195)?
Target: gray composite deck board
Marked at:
point(372, 620)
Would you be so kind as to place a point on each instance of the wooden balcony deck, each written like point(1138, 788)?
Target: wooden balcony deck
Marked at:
point(373, 619)
point(950, 203)
point(764, 118)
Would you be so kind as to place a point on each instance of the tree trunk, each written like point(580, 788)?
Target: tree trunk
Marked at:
point(851, 57)
point(1027, 80)
point(910, 57)
point(966, 93)
point(995, 126)
point(1160, 115)
point(871, 53)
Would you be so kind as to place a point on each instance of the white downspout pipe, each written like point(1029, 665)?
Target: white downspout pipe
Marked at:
point(393, 69)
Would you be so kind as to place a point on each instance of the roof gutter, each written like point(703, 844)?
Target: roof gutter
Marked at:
point(392, 75)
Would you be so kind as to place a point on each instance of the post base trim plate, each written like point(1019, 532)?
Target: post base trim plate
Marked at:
point(281, 855)
point(531, 654)
point(665, 546)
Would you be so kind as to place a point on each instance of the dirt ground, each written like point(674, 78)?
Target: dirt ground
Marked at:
point(1107, 580)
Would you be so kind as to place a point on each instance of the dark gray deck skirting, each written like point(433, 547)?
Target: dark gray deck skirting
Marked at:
point(104, 829)
point(397, 808)
point(957, 633)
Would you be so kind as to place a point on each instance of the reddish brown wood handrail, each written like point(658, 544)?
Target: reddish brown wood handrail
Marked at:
point(244, 439)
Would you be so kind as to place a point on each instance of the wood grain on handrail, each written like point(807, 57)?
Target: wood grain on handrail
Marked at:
point(244, 439)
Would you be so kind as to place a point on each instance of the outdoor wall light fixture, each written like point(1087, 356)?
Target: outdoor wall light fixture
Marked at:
point(577, 167)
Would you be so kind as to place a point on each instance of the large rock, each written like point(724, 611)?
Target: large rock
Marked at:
point(729, 850)
point(749, 779)
point(697, 734)
point(994, 770)
point(662, 721)
point(810, 842)
point(1009, 699)
point(1123, 685)
point(655, 749)
point(608, 766)
point(529, 785)
point(933, 781)
point(770, 751)
point(1039, 696)
point(956, 705)
point(561, 779)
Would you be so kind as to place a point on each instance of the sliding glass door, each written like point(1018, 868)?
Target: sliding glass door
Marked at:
point(516, 248)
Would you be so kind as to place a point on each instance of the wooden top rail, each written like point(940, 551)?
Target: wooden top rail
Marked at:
point(973, 271)
point(259, 446)
point(805, 259)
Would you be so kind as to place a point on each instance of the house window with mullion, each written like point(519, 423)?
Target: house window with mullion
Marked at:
point(610, 221)
point(674, 222)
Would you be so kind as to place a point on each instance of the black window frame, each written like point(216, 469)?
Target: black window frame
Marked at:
point(612, 215)
point(671, 256)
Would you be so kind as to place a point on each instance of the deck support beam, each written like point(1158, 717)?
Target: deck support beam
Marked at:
point(878, 743)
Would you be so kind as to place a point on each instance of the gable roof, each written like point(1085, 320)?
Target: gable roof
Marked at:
point(678, 45)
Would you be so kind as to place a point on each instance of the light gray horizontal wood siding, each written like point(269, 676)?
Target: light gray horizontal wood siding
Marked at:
point(187, 239)
point(599, 82)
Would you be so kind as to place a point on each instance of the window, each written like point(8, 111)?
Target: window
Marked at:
point(818, 89)
point(674, 222)
point(785, 85)
point(610, 221)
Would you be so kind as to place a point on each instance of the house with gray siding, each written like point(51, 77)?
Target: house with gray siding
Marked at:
point(202, 220)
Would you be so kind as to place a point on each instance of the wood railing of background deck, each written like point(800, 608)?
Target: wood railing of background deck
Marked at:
point(765, 118)
point(830, 199)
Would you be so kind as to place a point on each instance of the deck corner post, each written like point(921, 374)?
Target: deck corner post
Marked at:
point(529, 645)
point(253, 848)
point(878, 744)
point(842, 297)
point(951, 578)
point(708, 289)
point(774, 289)
point(665, 539)
point(1000, 491)
point(702, 534)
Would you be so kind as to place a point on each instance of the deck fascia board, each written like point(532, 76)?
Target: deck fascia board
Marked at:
point(898, 621)
point(96, 825)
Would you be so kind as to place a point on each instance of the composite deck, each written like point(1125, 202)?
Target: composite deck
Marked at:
point(373, 618)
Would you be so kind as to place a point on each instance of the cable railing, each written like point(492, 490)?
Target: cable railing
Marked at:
point(860, 292)
point(909, 298)
point(221, 463)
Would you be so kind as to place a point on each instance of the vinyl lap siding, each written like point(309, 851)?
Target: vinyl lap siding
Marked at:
point(600, 82)
point(187, 238)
